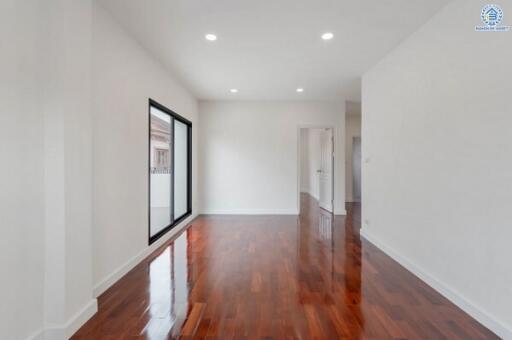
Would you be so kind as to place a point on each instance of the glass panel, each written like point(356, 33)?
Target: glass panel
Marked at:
point(180, 168)
point(160, 171)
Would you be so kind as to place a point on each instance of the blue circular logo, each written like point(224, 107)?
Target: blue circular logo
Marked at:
point(492, 15)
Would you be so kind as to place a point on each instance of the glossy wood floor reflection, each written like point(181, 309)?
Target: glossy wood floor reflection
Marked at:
point(275, 277)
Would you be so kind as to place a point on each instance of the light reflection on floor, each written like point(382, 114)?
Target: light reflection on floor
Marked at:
point(168, 290)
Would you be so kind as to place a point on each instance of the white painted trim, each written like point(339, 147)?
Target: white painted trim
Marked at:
point(311, 194)
point(482, 316)
point(336, 213)
point(316, 197)
point(54, 333)
point(62, 332)
point(58, 332)
point(38, 335)
point(108, 281)
point(250, 212)
point(81, 317)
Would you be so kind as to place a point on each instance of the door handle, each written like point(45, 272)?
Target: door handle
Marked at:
point(319, 171)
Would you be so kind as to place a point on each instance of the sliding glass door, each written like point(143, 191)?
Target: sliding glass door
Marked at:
point(180, 168)
point(160, 158)
point(170, 141)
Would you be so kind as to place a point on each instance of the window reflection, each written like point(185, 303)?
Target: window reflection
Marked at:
point(325, 230)
point(168, 290)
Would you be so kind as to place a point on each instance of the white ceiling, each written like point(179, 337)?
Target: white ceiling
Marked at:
point(268, 48)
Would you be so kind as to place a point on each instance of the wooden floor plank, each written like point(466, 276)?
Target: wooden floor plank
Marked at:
point(276, 277)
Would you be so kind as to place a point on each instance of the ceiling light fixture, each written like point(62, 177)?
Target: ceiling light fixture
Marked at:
point(327, 36)
point(210, 37)
point(233, 91)
point(300, 89)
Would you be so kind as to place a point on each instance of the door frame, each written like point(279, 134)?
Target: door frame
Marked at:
point(299, 154)
point(175, 221)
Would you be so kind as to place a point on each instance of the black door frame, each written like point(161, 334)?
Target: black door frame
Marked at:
point(174, 221)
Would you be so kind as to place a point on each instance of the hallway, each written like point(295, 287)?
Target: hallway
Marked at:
point(307, 277)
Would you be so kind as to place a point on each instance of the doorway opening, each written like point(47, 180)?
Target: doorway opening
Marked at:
point(356, 169)
point(316, 173)
point(353, 154)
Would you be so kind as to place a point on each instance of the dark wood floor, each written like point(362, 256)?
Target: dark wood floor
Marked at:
point(275, 277)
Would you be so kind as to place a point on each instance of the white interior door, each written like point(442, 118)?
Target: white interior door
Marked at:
point(326, 170)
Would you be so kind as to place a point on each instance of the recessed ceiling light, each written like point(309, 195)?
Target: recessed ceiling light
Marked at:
point(300, 89)
point(327, 36)
point(233, 91)
point(210, 37)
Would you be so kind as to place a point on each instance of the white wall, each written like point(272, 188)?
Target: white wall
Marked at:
point(66, 61)
point(45, 90)
point(353, 129)
point(437, 187)
point(124, 77)
point(249, 151)
point(310, 161)
point(21, 170)
point(47, 128)
point(68, 163)
point(47, 148)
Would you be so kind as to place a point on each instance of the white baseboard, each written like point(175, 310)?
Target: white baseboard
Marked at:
point(260, 212)
point(54, 333)
point(38, 335)
point(108, 281)
point(337, 211)
point(63, 332)
point(340, 211)
point(81, 317)
point(315, 196)
point(485, 318)
point(250, 212)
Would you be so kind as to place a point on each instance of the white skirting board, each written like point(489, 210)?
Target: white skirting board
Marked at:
point(63, 332)
point(80, 318)
point(39, 335)
point(338, 211)
point(486, 319)
point(261, 212)
point(249, 212)
point(130, 264)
